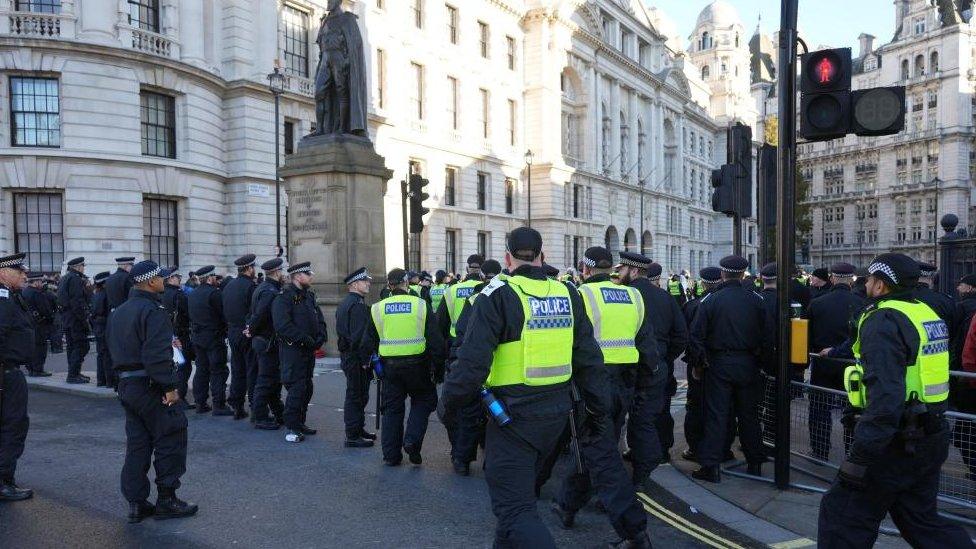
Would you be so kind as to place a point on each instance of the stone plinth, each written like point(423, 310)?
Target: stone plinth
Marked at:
point(335, 186)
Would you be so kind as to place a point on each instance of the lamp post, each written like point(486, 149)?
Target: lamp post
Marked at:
point(529, 157)
point(276, 83)
point(935, 232)
point(860, 230)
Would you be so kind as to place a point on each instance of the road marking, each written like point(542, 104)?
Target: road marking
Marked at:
point(663, 518)
point(794, 544)
point(698, 532)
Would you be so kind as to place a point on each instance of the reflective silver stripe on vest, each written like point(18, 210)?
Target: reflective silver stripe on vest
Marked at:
point(548, 371)
point(597, 317)
point(614, 343)
point(413, 341)
point(933, 390)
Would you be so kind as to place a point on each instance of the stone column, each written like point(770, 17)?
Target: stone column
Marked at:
point(335, 186)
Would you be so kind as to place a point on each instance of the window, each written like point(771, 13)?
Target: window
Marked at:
point(485, 113)
point(919, 25)
point(452, 24)
point(381, 4)
point(904, 69)
point(450, 250)
point(452, 102)
point(483, 244)
point(484, 34)
point(289, 137)
point(482, 191)
point(35, 112)
point(381, 78)
point(511, 122)
point(144, 14)
point(159, 231)
point(510, 48)
point(704, 72)
point(39, 230)
point(450, 186)
point(158, 113)
point(417, 6)
point(509, 196)
point(38, 6)
point(418, 90)
point(934, 62)
point(295, 29)
point(919, 65)
point(577, 200)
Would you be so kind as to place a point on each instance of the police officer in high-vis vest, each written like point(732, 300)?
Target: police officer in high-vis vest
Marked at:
point(528, 336)
point(676, 290)
point(437, 290)
point(626, 337)
point(403, 333)
point(454, 297)
point(899, 392)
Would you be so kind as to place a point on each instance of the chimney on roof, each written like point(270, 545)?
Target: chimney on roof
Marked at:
point(867, 44)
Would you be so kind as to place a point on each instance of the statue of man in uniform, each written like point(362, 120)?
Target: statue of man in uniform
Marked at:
point(340, 78)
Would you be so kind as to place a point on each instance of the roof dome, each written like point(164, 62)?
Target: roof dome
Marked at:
point(719, 14)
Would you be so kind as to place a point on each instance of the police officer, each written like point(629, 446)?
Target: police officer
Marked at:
point(75, 313)
point(437, 290)
point(120, 282)
point(899, 390)
point(264, 342)
point(99, 320)
point(727, 337)
point(140, 338)
point(676, 290)
point(402, 331)
point(16, 350)
point(830, 316)
point(243, 364)
point(626, 338)
point(208, 330)
point(939, 302)
point(300, 326)
point(43, 311)
point(455, 296)
point(175, 301)
point(819, 283)
point(528, 336)
point(672, 339)
point(352, 317)
point(694, 428)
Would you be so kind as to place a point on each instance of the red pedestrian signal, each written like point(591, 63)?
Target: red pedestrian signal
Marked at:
point(826, 71)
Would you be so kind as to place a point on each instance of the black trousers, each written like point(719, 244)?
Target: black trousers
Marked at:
point(605, 473)
point(642, 429)
point(300, 388)
point(399, 382)
point(154, 433)
point(357, 396)
point(40, 348)
point(514, 456)
point(14, 422)
point(104, 374)
point(56, 335)
point(243, 368)
point(183, 373)
point(469, 433)
point(267, 389)
point(211, 374)
point(694, 413)
point(901, 484)
point(78, 347)
point(733, 386)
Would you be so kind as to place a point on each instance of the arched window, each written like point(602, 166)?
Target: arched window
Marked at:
point(737, 40)
point(904, 69)
point(705, 41)
point(612, 239)
point(646, 243)
point(630, 240)
point(705, 73)
point(934, 62)
point(919, 65)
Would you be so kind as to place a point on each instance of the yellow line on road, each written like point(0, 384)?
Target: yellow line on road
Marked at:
point(794, 544)
point(715, 539)
point(675, 524)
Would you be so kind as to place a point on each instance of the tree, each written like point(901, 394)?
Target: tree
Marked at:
point(772, 130)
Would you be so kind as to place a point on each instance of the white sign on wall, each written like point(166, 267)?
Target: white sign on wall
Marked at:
point(259, 190)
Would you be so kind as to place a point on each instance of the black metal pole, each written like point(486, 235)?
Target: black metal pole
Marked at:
point(277, 176)
point(785, 182)
point(642, 215)
point(935, 236)
point(528, 172)
point(406, 234)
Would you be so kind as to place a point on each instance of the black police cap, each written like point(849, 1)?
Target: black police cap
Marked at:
point(654, 270)
point(525, 243)
point(632, 259)
point(842, 269)
point(769, 271)
point(34, 276)
point(968, 279)
point(144, 271)
point(491, 267)
point(299, 268)
point(733, 264)
point(206, 270)
point(550, 271)
point(927, 270)
point(245, 261)
point(76, 261)
point(272, 264)
point(127, 260)
point(357, 275)
point(710, 275)
point(598, 257)
point(15, 261)
point(895, 269)
point(397, 276)
point(822, 273)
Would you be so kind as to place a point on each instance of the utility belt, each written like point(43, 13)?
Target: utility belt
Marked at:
point(132, 374)
point(136, 367)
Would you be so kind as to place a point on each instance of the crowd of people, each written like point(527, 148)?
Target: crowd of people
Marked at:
point(533, 364)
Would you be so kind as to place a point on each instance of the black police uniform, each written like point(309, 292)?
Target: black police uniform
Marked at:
point(100, 311)
point(140, 338)
point(16, 350)
point(831, 316)
point(117, 288)
point(267, 389)
point(75, 313)
point(352, 317)
point(515, 454)
point(243, 362)
point(897, 481)
point(407, 376)
point(300, 326)
point(56, 335)
point(727, 336)
point(207, 332)
point(176, 303)
point(43, 312)
point(942, 304)
point(649, 403)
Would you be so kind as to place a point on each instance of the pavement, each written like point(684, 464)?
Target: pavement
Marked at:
point(255, 490)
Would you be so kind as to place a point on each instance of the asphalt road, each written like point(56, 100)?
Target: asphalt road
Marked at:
point(255, 490)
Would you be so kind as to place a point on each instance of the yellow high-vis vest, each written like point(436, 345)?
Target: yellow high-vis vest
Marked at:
point(617, 313)
point(400, 322)
point(455, 296)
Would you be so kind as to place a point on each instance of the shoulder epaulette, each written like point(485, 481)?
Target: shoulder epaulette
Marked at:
point(493, 285)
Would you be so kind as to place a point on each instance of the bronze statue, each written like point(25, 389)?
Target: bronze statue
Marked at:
point(948, 12)
point(340, 78)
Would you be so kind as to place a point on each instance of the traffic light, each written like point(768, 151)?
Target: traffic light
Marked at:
point(740, 157)
point(879, 111)
point(723, 197)
point(417, 197)
point(825, 94)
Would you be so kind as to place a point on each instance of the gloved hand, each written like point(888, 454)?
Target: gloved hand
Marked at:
point(437, 373)
point(853, 475)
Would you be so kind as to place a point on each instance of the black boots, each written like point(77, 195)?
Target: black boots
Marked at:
point(367, 435)
point(708, 474)
point(413, 453)
point(358, 443)
point(169, 506)
point(239, 412)
point(10, 492)
point(77, 379)
point(566, 519)
point(642, 541)
point(222, 410)
point(462, 468)
point(140, 510)
point(203, 408)
point(308, 431)
point(267, 424)
point(38, 373)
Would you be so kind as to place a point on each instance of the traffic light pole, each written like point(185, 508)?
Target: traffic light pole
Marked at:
point(406, 232)
point(785, 222)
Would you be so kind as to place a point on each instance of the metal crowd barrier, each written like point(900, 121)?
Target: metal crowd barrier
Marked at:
point(819, 438)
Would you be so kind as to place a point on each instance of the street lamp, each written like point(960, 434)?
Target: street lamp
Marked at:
point(935, 233)
point(276, 83)
point(529, 157)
